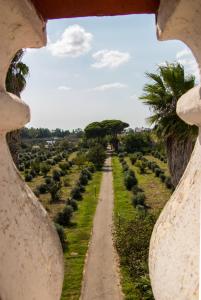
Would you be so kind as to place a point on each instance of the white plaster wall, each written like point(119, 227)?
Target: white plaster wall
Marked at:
point(174, 247)
point(31, 258)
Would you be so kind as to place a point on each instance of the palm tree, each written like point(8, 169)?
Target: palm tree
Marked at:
point(15, 83)
point(162, 94)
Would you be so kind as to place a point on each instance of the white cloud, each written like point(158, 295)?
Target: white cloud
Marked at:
point(110, 58)
point(109, 86)
point(186, 58)
point(74, 41)
point(64, 88)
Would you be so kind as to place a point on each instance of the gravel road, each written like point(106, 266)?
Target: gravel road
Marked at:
point(101, 276)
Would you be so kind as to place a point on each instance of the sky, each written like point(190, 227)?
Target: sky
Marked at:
point(94, 69)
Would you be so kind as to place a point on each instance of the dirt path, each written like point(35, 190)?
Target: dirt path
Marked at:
point(101, 279)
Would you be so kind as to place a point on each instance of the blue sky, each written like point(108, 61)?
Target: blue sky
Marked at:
point(94, 69)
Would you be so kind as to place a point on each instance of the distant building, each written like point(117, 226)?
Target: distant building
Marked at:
point(142, 129)
point(35, 147)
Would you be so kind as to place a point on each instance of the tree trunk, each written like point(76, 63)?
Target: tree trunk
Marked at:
point(178, 155)
point(13, 140)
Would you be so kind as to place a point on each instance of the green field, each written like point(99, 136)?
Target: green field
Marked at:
point(78, 238)
point(79, 232)
point(156, 196)
point(155, 191)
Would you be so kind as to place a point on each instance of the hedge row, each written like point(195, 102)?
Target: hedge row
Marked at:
point(131, 183)
point(64, 217)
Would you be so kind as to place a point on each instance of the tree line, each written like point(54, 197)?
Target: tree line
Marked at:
point(33, 133)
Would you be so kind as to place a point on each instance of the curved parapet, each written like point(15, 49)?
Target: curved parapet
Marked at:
point(174, 249)
point(31, 257)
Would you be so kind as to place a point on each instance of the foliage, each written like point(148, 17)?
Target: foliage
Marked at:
point(73, 203)
point(76, 193)
point(91, 167)
point(167, 86)
point(168, 183)
point(161, 95)
point(143, 284)
point(42, 188)
point(133, 158)
point(141, 165)
point(63, 218)
point(94, 130)
point(56, 174)
point(16, 75)
point(80, 159)
point(83, 179)
point(129, 181)
point(37, 133)
point(54, 190)
point(28, 177)
point(132, 242)
point(106, 128)
point(44, 168)
point(137, 142)
point(97, 155)
point(138, 199)
point(62, 236)
point(35, 166)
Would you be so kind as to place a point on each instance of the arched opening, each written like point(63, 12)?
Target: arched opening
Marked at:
point(72, 10)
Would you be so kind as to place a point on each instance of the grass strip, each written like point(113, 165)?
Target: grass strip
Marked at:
point(123, 209)
point(78, 236)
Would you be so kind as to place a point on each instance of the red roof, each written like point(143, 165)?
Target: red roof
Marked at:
point(56, 9)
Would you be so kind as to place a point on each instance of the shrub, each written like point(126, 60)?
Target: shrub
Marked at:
point(125, 167)
point(44, 168)
point(48, 180)
point(97, 155)
point(64, 166)
point(154, 166)
point(157, 171)
point(86, 172)
point(141, 209)
point(56, 174)
point(63, 218)
point(83, 179)
point(121, 155)
point(81, 187)
point(141, 165)
point(91, 167)
point(50, 162)
point(21, 167)
point(42, 188)
point(130, 181)
point(136, 189)
point(76, 193)
point(168, 182)
point(65, 182)
point(73, 203)
point(63, 172)
point(133, 158)
point(61, 234)
point(121, 159)
point(130, 173)
point(35, 166)
point(54, 190)
point(132, 242)
point(138, 199)
point(27, 164)
point(28, 177)
point(162, 177)
point(58, 158)
point(143, 284)
point(33, 173)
